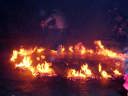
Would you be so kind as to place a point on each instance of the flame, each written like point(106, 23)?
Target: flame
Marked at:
point(84, 72)
point(82, 50)
point(99, 68)
point(71, 49)
point(106, 52)
point(39, 50)
point(27, 63)
point(14, 56)
point(45, 69)
point(117, 73)
point(36, 60)
point(61, 49)
point(103, 73)
point(72, 73)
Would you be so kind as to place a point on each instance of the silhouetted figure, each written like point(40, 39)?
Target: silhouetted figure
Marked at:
point(56, 28)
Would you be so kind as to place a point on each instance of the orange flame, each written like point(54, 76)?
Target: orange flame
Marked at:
point(103, 73)
point(14, 56)
point(84, 72)
point(72, 73)
point(35, 60)
point(45, 69)
point(71, 49)
point(27, 62)
point(117, 73)
point(106, 52)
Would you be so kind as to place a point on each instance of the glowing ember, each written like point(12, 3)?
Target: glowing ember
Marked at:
point(39, 61)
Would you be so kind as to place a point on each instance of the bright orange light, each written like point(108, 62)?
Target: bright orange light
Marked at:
point(39, 61)
point(99, 68)
point(45, 69)
point(27, 62)
point(84, 72)
point(72, 73)
point(39, 50)
point(117, 73)
point(71, 49)
point(14, 56)
point(101, 50)
point(105, 75)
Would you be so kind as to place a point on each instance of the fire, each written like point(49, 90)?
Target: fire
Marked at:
point(45, 69)
point(71, 49)
point(101, 50)
point(103, 73)
point(84, 72)
point(82, 50)
point(117, 73)
point(61, 50)
point(99, 68)
point(72, 73)
point(39, 61)
point(39, 50)
point(26, 62)
point(14, 56)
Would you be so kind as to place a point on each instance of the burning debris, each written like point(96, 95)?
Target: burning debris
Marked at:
point(26, 61)
point(41, 61)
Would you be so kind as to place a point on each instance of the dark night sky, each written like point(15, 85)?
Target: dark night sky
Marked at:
point(84, 16)
point(88, 19)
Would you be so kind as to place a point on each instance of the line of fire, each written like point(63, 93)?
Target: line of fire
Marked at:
point(64, 48)
point(71, 62)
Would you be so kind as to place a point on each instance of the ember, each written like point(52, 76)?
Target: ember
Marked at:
point(36, 60)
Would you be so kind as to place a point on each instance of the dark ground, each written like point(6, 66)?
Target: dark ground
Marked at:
point(61, 87)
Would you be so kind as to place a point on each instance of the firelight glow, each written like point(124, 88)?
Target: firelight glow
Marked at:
point(36, 60)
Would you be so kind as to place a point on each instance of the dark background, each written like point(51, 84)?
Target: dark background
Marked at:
point(87, 19)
